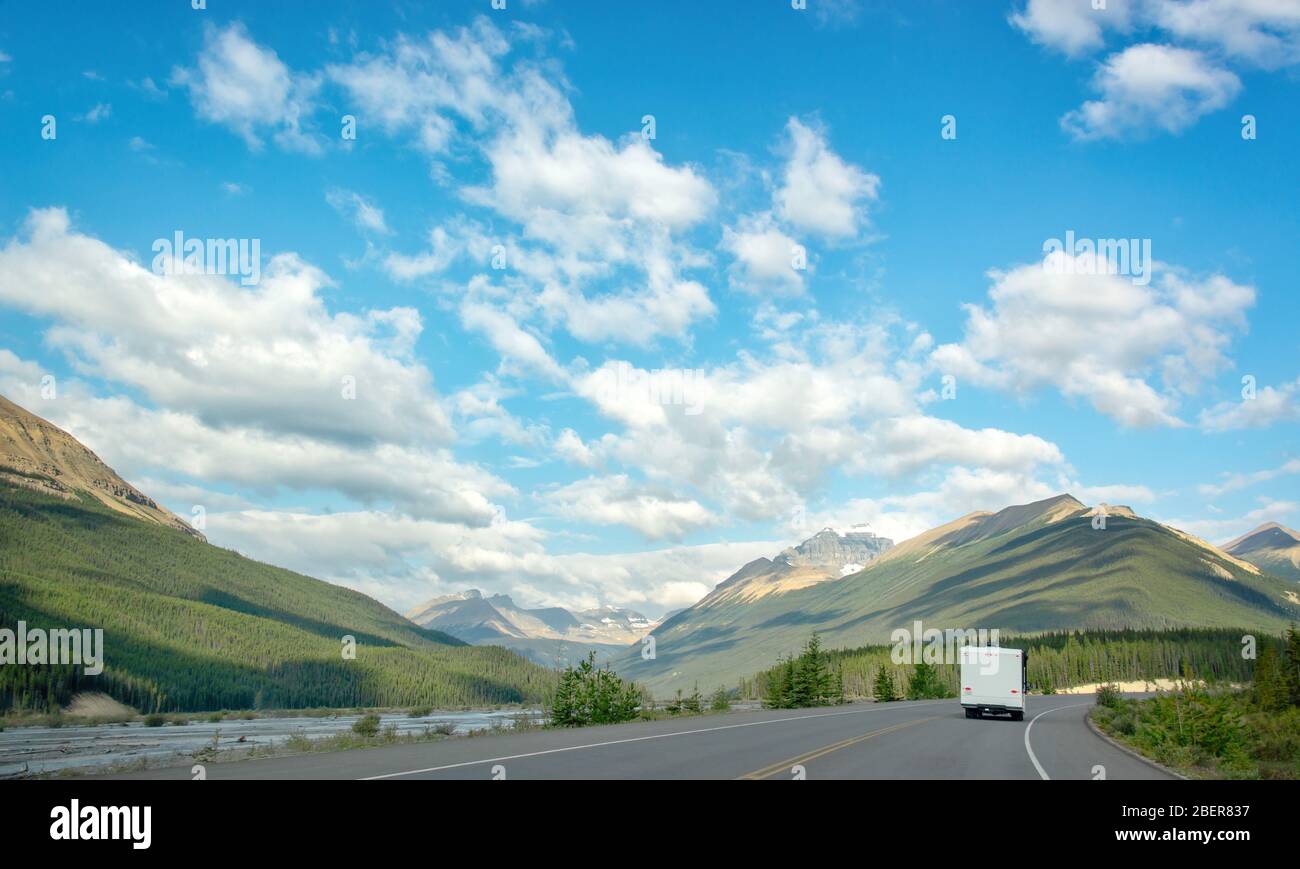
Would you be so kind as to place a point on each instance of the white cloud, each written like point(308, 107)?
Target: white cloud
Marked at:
point(97, 113)
point(1147, 87)
point(515, 344)
point(1071, 26)
point(1263, 32)
point(907, 444)
point(766, 433)
point(1270, 405)
point(1221, 531)
point(246, 87)
point(406, 561)
point(570, 447)
point(271, 356)
point(765, 256)
point(598, 220)
point(820, 192)
point(1068, 323)
point(616, 500)
point(418, 86)
point(1235, 482)
point(1119, 493)
point(367, 216)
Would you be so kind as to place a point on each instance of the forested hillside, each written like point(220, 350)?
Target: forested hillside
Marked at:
point(1062, 660)
point(190, 626)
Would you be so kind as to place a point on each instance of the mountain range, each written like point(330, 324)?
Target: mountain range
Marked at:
point(552, 636)
point(191, 626)
point(1049, 565)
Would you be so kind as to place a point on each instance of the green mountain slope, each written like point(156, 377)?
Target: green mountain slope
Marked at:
point(190, 626)
point(1029, 568)
point(1270, 547)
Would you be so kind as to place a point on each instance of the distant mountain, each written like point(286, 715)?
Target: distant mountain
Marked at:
point(1027, 568)
point(190, 626)
point(827, 555)
point(1270, 547)
point(552, 636)
point(42, 457)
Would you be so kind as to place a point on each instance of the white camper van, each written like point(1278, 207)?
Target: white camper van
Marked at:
point(993, 681)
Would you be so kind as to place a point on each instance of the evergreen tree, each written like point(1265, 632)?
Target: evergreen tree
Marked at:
point(587, 694)
point(1272, 692)
point(1293, 663)
point(884, 687)
point(775, 698)
point(924, 683)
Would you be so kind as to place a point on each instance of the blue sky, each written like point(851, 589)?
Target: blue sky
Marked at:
point(803, 246)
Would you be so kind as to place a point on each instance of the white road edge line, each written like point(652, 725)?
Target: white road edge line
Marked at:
point(872, 708)
point(1038, 766)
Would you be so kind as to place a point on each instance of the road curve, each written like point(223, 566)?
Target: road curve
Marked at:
point(909, 740)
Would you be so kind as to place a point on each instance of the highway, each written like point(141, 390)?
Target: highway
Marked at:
point(906, 740)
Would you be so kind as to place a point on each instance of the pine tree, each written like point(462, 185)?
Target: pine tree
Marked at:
point(1293, 663)
point(1271, 690)
point(694, 703)
point(776, 697)
point(884, 688)
point(924, 683)
point(563, 706)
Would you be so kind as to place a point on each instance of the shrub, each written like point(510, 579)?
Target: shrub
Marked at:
point(1108, 695)
point(588, 694)
point(155, 719)
point(366, 725)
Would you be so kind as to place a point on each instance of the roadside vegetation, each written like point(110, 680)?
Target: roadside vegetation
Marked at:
point(587, 694)
point(1056, 661)
point(1208, 732)
point(804, 681)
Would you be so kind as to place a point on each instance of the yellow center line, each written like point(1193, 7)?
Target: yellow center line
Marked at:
point(785, 765)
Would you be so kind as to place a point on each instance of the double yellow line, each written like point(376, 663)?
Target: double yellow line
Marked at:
point(785, 765)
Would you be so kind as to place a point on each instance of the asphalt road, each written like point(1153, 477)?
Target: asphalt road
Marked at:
point(909, 740)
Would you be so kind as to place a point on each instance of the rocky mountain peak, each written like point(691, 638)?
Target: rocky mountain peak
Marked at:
point(832, 550)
